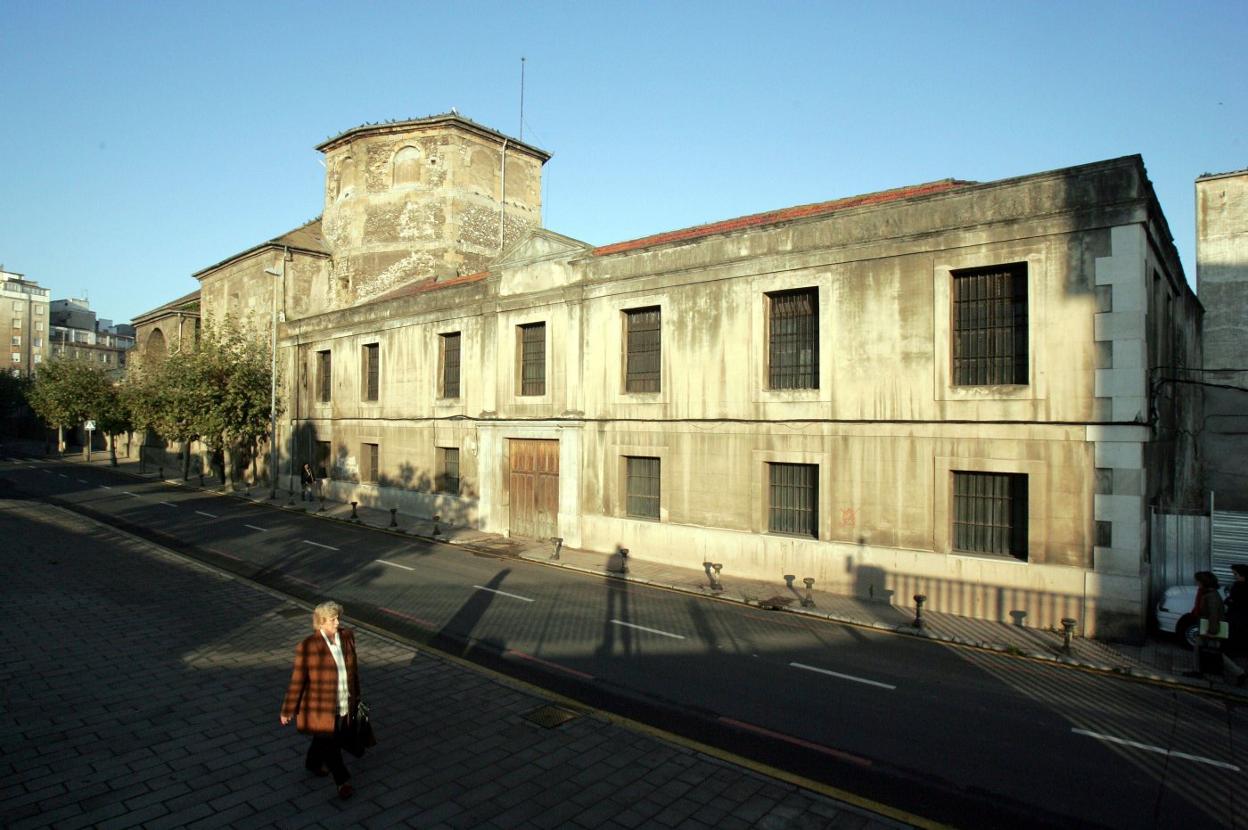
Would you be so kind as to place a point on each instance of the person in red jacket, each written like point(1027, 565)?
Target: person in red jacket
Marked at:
point(324, 688)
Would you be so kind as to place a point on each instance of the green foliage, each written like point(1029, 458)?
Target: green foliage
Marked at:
point(217, 391)
point(65, 393)
point(13, 394)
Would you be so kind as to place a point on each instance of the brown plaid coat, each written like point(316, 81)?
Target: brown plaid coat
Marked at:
point(312, 697)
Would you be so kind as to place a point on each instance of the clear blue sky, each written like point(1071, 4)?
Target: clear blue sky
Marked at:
point(144, 141)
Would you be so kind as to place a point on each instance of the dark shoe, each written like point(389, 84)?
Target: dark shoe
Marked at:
point(345, 791)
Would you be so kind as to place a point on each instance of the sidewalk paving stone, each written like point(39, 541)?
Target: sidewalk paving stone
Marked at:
point(185, 729)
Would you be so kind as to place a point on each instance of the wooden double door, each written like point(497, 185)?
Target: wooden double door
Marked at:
point(534, 487)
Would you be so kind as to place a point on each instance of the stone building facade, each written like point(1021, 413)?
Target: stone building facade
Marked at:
point(943, 389)
point(1222, 283)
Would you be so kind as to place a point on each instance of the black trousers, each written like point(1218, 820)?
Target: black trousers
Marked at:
point(326, 752)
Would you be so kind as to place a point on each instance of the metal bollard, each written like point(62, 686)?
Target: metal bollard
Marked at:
point(201, 481)
point(160, 473)
point(809, 600)
point(919, 599)
point(355, 516)
point(1068, 631)
point(393, 521)
point(558, 540)
point(717, 584)
point(623, 560)
point(436, 519)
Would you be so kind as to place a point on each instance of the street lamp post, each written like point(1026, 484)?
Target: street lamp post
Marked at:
point(276, 274)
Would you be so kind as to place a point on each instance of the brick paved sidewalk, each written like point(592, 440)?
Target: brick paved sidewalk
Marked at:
point(143, 690)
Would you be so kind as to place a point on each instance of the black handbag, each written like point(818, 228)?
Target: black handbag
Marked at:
point(357, 732)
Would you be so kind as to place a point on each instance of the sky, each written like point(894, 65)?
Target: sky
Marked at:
point(145, 141)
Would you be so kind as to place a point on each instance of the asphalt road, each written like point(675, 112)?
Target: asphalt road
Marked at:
point(956, 735)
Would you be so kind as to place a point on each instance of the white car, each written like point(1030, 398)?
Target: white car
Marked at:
point(1174, 613)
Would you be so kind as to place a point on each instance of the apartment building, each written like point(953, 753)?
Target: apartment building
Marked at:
point(25, 305)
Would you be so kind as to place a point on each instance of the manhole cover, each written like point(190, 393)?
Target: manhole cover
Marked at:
point(291, 613)
point(548, 717)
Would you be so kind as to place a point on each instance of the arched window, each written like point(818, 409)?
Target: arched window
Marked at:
point(346, 178)
point(407, 166)
point(155, 347)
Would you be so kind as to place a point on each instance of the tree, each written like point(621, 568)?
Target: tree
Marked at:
point(13, 394)
point(65, 393)
point(216, 391)
point(233, 377)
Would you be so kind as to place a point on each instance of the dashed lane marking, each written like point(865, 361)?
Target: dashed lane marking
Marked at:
point(261, 529)
point(62, 475)
point(650, 630)
point(106, 487)
point(133, 495)
point(169, 504)
point(503, 593)
point(83, 481)
point(395, 565)
point(318, 544)
point(876, 683)
point(1158, 749)
point(209, 515)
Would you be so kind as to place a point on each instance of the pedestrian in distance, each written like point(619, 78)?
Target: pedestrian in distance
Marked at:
point(1235, 649)
point(324, 689)
point(309, 481)
point(1209, 609)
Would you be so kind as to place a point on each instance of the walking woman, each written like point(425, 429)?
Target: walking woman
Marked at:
point(1237, 615)
point(324, 688)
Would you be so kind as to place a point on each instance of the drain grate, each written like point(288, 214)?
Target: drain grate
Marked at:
point(548, 717)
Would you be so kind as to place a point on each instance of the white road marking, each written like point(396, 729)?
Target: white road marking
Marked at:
point(209, 515)
point(318, 544)
point(1158, 749)
point(843, 676)
point(651, 630)
point(133, 495)
point(261, 529)
point(106, 487)
point(502, 593)
point(62, 475)
point(48, 472)
point(395, 565)
point(82, 481)
point(169, 504)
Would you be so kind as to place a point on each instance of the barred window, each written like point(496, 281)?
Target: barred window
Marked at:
point(323, 376)
point(450, 365)
point(372, 370)
point(643, 484)
point(793, 334)
point(643, 360)
point(369, 455)
point(990, 513)
point(794, 499)
point(533, 359)
point(448, 470)
point(990, 325)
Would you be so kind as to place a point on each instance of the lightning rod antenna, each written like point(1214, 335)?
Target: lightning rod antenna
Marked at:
point(522, 98)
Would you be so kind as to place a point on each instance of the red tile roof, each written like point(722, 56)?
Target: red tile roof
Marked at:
point(774, 216)
point(429, 284)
